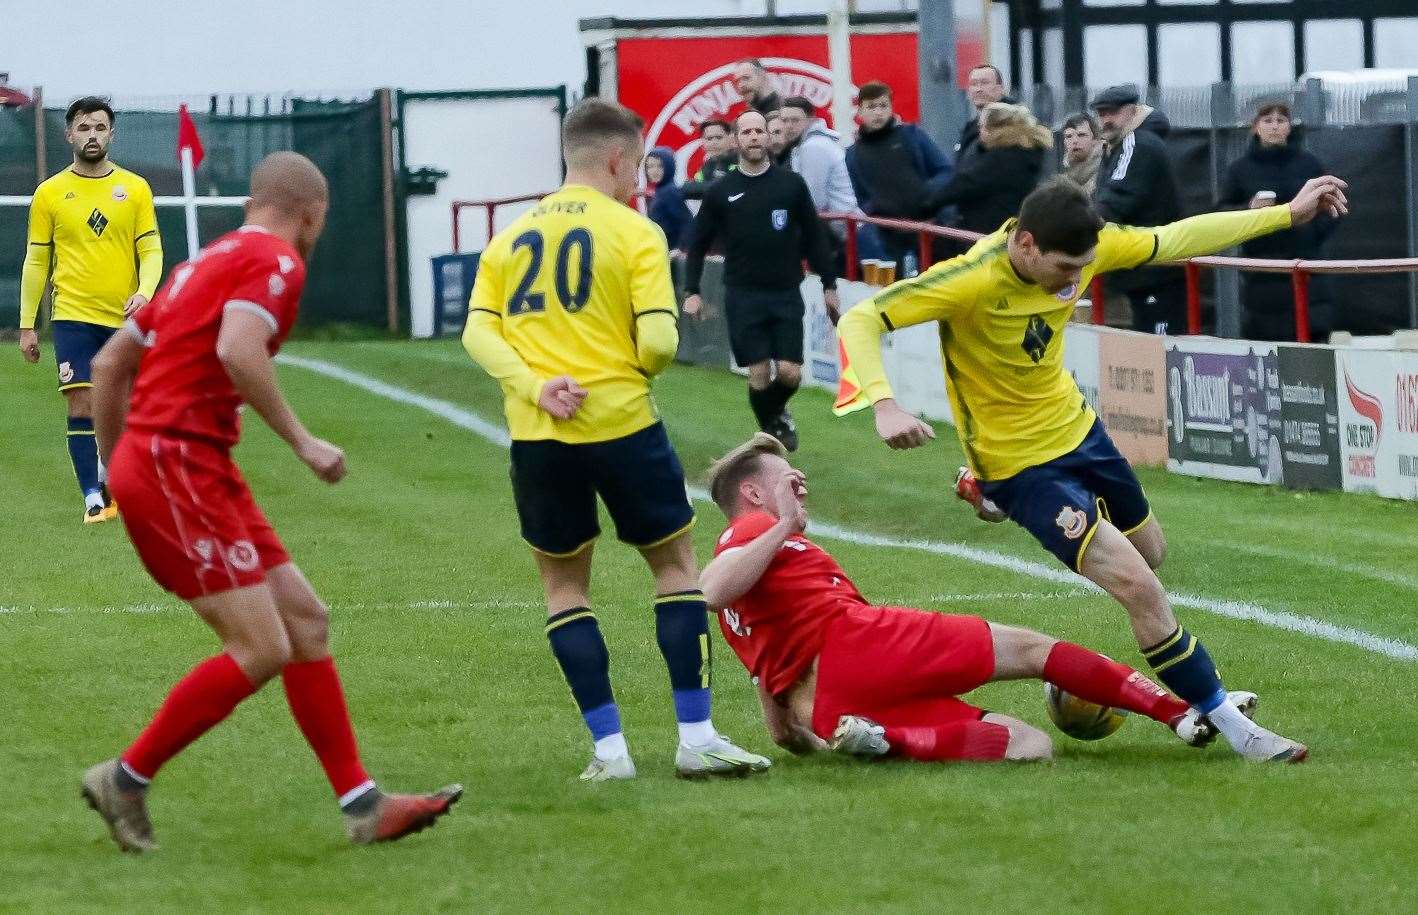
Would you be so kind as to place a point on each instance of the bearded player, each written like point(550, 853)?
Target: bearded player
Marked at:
point(573, 313)
point(94, 223)
point(202, 347)
point(1035, 447)
point(835, 672)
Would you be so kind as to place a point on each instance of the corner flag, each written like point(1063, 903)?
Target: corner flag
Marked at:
point(850, 397)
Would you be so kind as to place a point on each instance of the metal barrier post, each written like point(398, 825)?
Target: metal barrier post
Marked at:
point(1096, 291)
point(850, 252)
point(1193, 273)
point(491, 222)
point(457, 243)
point(1300, 280)
point(1410, 135)
point(923, 251)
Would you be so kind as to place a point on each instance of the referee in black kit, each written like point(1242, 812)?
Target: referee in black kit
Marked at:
point(768, 225)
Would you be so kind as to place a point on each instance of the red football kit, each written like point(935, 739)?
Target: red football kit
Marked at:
point(900, 667)
point(187, 509)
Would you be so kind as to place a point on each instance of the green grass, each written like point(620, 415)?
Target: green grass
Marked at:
point(437, 627)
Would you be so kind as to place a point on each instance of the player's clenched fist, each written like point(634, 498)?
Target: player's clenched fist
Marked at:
point(29, 345)
point(898, 428)
point(562, 397)
point(327, 461)
point(1324, 194)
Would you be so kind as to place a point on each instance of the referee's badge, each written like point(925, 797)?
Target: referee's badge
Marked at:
point(780, 220)
point(120, 193)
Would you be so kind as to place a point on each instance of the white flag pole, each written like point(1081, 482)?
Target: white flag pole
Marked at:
point(189, 200)
point(839, 55)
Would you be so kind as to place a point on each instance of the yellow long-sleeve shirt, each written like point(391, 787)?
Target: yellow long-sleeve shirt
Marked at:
point(579, 285)
point(101, 237)
point(1015, 404)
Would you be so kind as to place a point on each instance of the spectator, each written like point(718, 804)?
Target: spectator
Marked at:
point(895, 168)
point(1272, 171)
point(720, 158)
point(667, 207)
point(814, 151)
point(985, 87)
point(765, 216)
point(777, 141)
point(11, 97)
point(1083, 150)
point(755, 86)
point(1137, 187)
point(991, 184)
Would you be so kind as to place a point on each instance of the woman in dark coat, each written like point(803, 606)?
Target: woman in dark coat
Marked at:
point(989, 187)
point(1272, 171)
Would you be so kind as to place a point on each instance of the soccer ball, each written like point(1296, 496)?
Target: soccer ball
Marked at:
point(1079, 719)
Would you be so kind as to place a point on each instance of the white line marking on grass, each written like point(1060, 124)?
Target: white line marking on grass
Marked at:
point(490, 604)
point(1357, 569)
point(1232, 609)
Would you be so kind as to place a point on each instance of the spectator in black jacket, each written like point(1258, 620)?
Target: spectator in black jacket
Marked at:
point(991, 184)
point(755, 86)
point(895, 167)
point(1138, 187)
point(720, 158)
point(667, 207)
point(985, 86)
point(1272, 171)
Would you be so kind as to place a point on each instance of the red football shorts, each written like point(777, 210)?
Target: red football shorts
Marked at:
point(191, 516)
point(901, 667)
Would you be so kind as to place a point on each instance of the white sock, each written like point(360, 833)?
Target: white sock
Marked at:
point(696, 733)
point(1234, 726)
point(93, 500)
point(612, 747)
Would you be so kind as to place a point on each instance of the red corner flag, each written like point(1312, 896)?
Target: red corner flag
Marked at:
point(187, 137)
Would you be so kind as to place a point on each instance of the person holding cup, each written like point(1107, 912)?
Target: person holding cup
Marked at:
point(1273, 169)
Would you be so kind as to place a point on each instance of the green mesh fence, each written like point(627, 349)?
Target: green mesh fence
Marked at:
point(346, 280)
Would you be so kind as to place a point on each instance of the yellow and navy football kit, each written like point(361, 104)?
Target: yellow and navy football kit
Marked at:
point(1015, 405)
point(100, 235)
point(580, 286)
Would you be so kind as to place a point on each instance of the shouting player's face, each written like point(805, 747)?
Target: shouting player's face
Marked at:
point(1054, 271)
point(90, 135)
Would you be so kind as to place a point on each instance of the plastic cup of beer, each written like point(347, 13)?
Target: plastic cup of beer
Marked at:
point(869, 271)
point(887, 272)
point(1265, 198)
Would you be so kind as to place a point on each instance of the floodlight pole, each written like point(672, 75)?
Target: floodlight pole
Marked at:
point(942, 102)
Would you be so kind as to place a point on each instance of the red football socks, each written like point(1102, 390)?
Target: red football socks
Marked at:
point(196, 704)
point(317, 701)
point(1094, 678)
point(958, 740)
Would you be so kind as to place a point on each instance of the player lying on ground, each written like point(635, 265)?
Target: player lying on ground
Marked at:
point(1033, 442)
point(190, 357)
point(835, 672)
point(575, 351)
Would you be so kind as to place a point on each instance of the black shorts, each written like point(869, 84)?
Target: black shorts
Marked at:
point(1060, 501)
point(764, 324)
point(639, 477)
point(76, 343)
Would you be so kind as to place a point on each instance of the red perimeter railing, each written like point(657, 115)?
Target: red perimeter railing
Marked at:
point(1300, 270)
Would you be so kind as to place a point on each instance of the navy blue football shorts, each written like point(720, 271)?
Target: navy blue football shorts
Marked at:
point(1060, 501)
point(638, 476)
point(76, 343)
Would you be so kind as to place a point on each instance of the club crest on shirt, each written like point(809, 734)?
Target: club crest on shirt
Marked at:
point(1066, 293)
point(66, 373)
point(120, 193)
point(1073, 521)
point(242, 554)
point(780, 220)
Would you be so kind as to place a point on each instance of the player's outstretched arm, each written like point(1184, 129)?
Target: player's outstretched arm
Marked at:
point(241, 347)
point(861, 329)
point(1210, 233)
point(113, 371)
point(736, 570)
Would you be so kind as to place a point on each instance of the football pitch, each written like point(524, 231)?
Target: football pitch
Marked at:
point(1311, 600)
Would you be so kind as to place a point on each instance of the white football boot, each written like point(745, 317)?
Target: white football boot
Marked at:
point(1196, 730)
point(857, 736)
point(718, 759)
point(608, 770)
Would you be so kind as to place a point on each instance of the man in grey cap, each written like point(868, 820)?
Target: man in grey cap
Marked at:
point(1137, 187)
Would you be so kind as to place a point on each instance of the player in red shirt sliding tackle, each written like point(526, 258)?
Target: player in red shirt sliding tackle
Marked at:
point(190, 357)
point(834, 672)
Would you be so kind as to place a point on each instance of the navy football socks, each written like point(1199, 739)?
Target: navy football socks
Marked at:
point(580, 649)
point(1183, 664)
point(83, 451)
point(682, 630)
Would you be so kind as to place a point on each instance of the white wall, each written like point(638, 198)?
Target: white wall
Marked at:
point(173, 47)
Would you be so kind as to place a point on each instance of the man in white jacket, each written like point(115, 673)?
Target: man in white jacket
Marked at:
point(814, 152)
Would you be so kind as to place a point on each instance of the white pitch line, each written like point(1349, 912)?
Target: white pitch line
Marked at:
point(1231, 609)
point(491, 604)
point(1356, 569)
